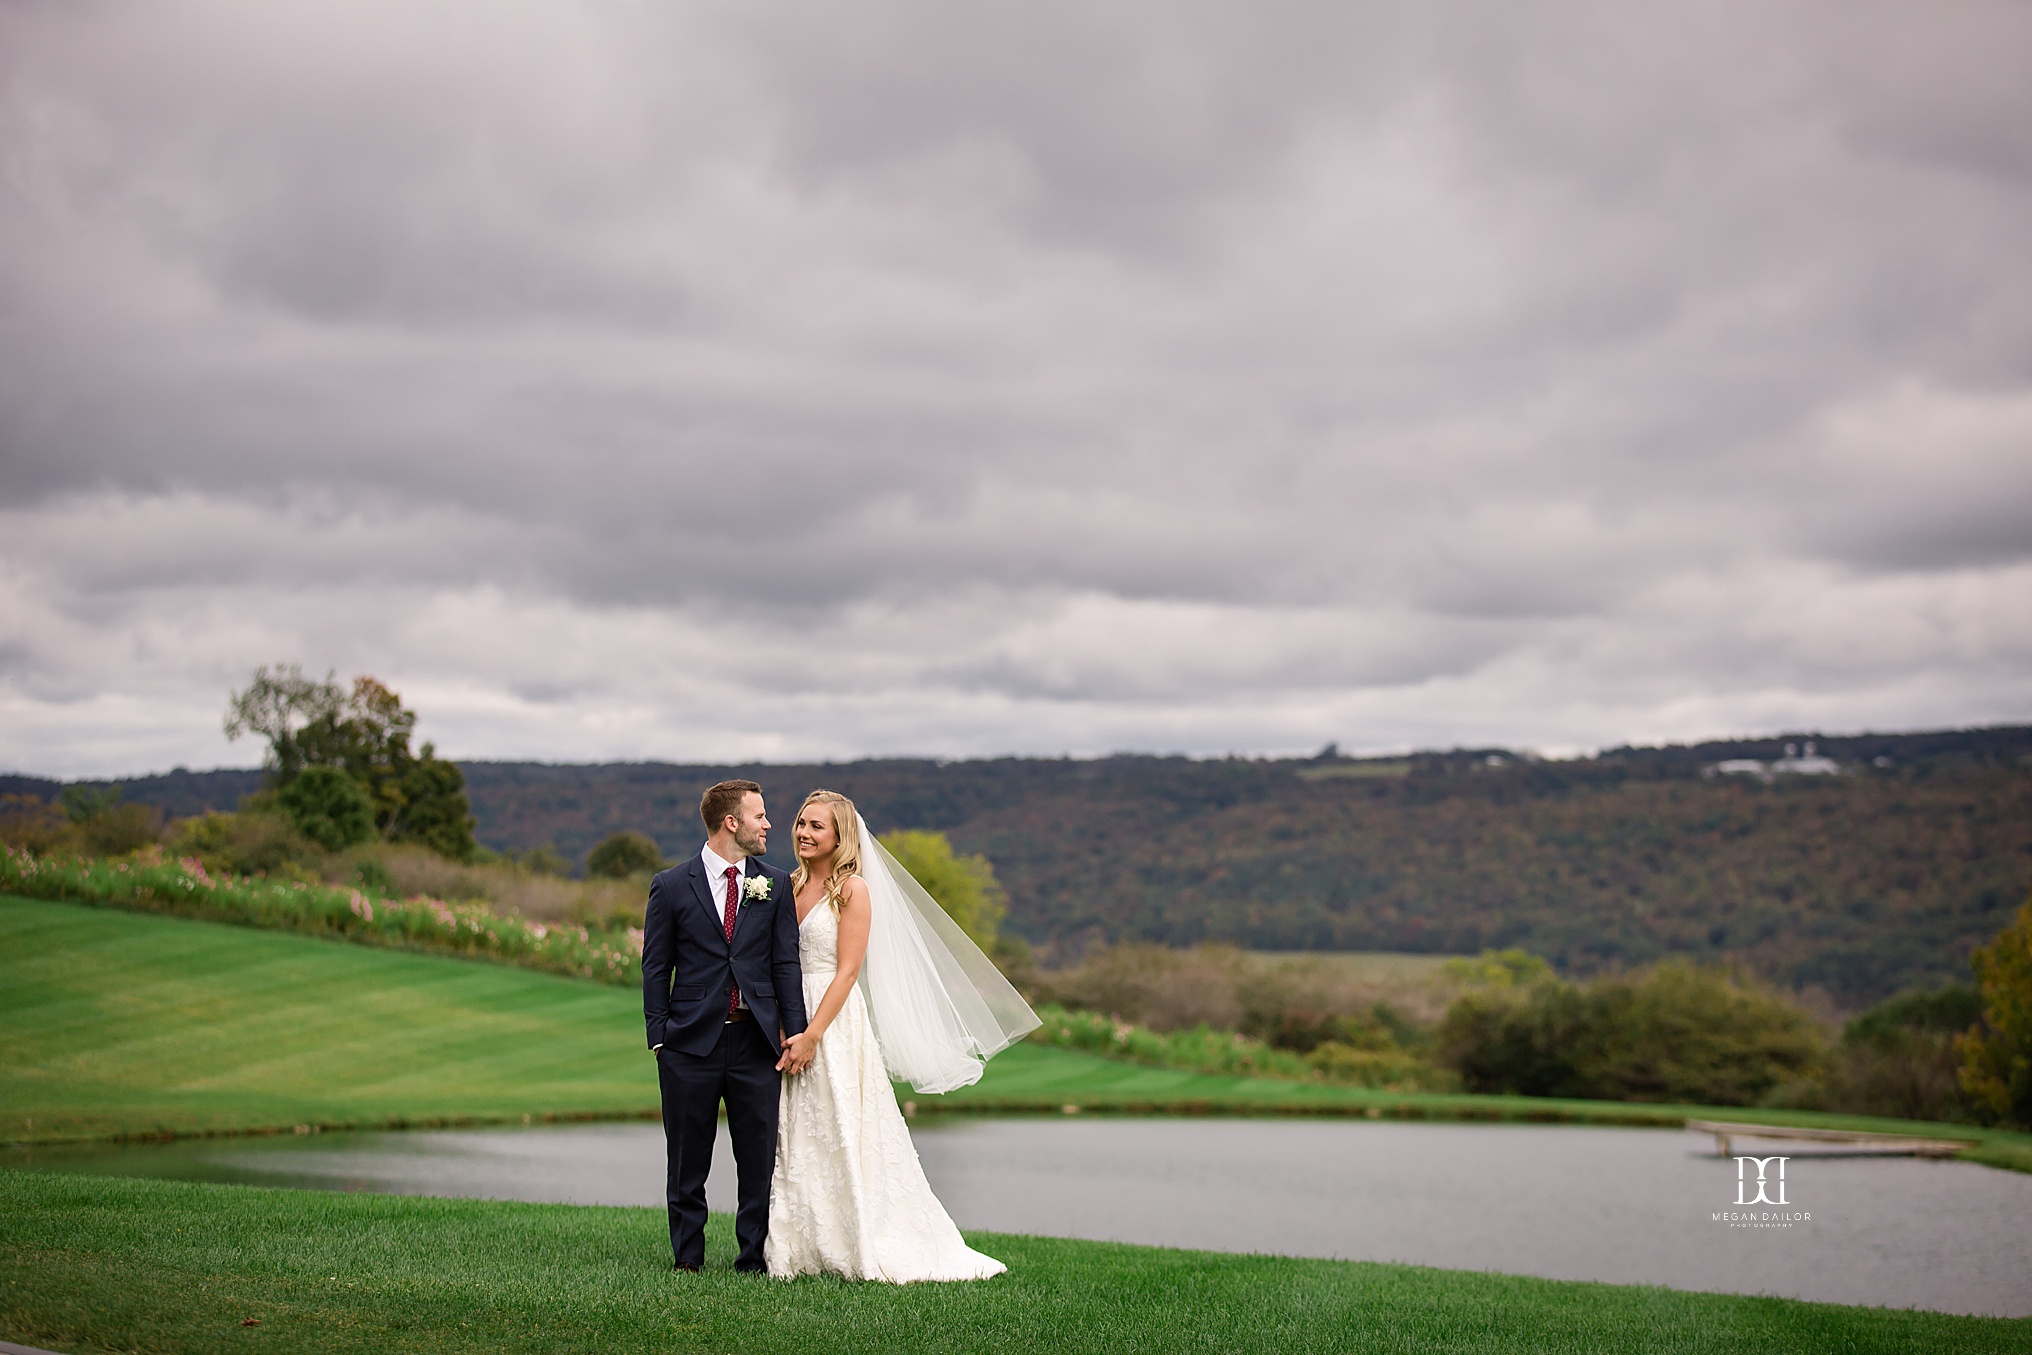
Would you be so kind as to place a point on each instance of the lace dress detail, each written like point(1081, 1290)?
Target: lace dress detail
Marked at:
point(849, 1195)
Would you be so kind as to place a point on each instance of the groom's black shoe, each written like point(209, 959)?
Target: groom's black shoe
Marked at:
point(752, 1270)
point(682, 1267)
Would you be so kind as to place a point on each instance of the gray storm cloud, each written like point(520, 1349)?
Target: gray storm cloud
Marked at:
point(731, 381)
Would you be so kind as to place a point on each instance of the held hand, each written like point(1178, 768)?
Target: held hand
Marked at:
point(798, 1052)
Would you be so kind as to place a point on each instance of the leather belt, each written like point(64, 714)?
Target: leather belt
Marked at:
point(740, 1014)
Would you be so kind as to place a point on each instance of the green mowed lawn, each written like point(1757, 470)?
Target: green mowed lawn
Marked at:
point(120, 1023)
point(104, 1264)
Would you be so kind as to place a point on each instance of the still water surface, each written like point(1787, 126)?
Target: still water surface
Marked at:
point(1567, 1202)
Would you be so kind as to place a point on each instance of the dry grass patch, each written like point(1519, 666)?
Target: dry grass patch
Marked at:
point(504, 887)
point(1227, 988)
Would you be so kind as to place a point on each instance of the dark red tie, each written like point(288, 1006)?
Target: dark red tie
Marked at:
point(733, 903)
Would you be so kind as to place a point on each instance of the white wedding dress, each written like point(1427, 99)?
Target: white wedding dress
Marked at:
point(849, 1196)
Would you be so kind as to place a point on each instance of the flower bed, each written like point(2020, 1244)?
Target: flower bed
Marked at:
point(185, 889)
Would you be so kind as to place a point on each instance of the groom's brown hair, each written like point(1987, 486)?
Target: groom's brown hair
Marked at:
point(722, 800)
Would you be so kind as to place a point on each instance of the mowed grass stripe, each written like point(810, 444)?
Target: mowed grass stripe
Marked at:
point(102, 1263)
point(118, 1023)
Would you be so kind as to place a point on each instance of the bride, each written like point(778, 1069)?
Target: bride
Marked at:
point(895, 989)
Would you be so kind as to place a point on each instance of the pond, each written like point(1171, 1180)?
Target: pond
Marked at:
point(1567, 1202)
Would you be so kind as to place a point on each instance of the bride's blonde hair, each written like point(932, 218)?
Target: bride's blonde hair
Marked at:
point(846, 851)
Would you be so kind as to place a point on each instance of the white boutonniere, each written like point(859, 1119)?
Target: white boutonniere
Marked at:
point(756, 888)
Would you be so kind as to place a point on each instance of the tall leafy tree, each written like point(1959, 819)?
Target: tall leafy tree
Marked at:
point(964, 885)
point(282, 707)
point(1996, 1069)
point(413, 795)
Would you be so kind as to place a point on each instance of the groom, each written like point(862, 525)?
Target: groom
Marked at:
point(721, 987)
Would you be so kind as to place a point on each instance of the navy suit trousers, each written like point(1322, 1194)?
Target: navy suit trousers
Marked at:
point(740, 1070)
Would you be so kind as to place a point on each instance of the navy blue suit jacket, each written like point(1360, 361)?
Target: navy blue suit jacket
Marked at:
point(689, 969)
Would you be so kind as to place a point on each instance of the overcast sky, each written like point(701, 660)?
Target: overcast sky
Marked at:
point(777, 380)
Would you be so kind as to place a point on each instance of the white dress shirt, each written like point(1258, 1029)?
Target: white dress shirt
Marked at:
point(716, 876)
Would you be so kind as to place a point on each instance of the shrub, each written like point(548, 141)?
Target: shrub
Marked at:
point(1678, 1033)
point(100, 824)
point(1206, 1050)
point(83, 802)
point(122, 829)
point(544, 860)
point(374, 875)
point(623, 854)
point(1390, 1069)
point(1515, 1040)
point(1686, 1033)
point(257, 841)
point(327, 806)
point(1899, 1057)
point(28, 823)
point(1996, 1069)
point(965, 886)
point(1948, 1010)
point(1499, 969)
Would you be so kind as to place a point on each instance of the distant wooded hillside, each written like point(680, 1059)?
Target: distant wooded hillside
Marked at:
point(1882, 877)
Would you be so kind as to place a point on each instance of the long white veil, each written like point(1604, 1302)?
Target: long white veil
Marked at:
point(941, 1008)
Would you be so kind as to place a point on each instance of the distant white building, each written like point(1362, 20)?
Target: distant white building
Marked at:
point(1794, 763)
point(1808, 763)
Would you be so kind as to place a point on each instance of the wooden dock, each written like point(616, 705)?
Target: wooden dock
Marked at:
point(1890, 1145)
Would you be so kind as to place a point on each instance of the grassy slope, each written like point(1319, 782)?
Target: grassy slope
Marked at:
point(125, 1024)
point(113, 1023)
point(99, 1264)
